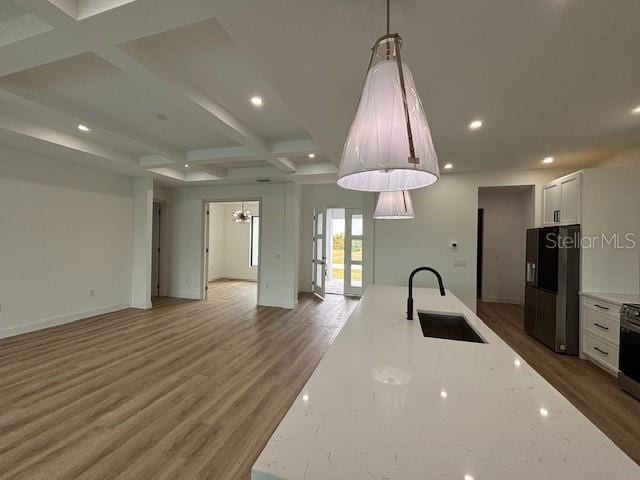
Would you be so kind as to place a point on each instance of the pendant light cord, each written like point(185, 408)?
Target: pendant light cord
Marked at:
point(388, 22)
point(388, 15)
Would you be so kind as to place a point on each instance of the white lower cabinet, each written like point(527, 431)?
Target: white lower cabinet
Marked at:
point(600, 332)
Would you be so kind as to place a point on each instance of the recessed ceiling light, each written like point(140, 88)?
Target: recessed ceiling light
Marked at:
point(448, 166)
point(305, 397)
point(636, 110)
point(468, 477)
point(517, 362)
point(547, 160)
point(186, 165)
point(312, 155)
point(476, 124)
point(544, 412)
point(257, 101)
point(83, 128)
point(443, 394)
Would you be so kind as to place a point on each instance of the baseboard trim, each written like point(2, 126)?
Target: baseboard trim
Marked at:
point(142, 306)
point(60, 320)
point(288, 306)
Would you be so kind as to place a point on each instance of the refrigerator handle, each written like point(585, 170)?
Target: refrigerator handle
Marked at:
point(531, 273)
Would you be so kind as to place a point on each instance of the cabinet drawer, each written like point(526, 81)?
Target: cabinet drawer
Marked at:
point(601, 325)
point(605, 308)
point(603, 353)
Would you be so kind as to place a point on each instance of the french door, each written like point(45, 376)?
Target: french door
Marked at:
point(319, 265)
point(353, 251)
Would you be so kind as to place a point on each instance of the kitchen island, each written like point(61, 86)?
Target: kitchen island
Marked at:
point(388, 403)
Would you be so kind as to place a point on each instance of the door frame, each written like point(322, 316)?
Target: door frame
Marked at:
point(479, 253)
point(204, 254)
point(368, 234)
point(163, 278)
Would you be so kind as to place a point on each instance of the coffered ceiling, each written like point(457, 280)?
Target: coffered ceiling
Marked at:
point(166, 87)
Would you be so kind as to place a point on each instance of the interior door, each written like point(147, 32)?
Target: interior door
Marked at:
point(155, 251)
point(353, 251)
point(319, 264)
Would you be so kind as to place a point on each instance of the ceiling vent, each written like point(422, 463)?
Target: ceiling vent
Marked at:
point(263, 180)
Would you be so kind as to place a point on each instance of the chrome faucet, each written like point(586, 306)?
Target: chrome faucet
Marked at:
point(410, 299)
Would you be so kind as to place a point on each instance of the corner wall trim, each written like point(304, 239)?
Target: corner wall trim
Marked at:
point(59, 320)
point(142, 306)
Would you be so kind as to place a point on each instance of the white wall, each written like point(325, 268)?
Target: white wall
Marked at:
point(611, 198)
point(445, 211)
point(507, 215)
point(279, 243)
point(64, 229)
point(230, 242)
point(330, 195)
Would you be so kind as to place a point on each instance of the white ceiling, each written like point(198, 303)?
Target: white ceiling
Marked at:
point(547, 77)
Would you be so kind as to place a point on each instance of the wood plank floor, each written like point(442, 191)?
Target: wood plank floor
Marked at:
point(593, 391)
point(189, 389)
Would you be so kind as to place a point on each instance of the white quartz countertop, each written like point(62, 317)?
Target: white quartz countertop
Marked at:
point(387, 403)
point(617, 298)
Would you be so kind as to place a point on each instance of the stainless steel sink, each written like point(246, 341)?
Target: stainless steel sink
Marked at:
point(448, 326)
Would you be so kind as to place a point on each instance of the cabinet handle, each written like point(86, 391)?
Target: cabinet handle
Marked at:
point(601, 326)
point(600, 306)
point(601, 351)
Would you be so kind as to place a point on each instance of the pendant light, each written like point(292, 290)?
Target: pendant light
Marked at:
point(242, 215)
point(389, 146)
point(394, 206)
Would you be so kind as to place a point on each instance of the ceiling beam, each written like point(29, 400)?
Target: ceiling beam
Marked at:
point(163, 82)
point(65, 140)
point(57, 13)
point(211, 156)
point(25, 96)
point(294, 147)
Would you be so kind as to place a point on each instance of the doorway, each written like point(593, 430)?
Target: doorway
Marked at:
point(504, 214)
point(232, 247)
point(337, 264)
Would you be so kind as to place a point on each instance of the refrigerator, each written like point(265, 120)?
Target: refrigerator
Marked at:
point(552, 282)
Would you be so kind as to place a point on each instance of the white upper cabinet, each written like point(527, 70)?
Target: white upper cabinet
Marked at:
point(561, 200)
point(551, 203)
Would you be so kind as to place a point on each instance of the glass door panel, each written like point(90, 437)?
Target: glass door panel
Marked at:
point(354, 227)
point(319, 267)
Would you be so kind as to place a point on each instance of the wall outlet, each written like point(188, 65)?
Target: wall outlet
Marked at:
point(92, 292)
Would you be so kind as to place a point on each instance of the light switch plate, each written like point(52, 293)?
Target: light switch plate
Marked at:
point(459, 263)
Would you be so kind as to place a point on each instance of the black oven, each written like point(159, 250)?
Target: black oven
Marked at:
point(629, 376)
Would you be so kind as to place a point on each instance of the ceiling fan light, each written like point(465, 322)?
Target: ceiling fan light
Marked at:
point(394, 206)
point(376, 154)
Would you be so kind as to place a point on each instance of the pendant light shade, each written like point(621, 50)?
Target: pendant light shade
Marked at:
point(394, 206)
point(389, 146)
